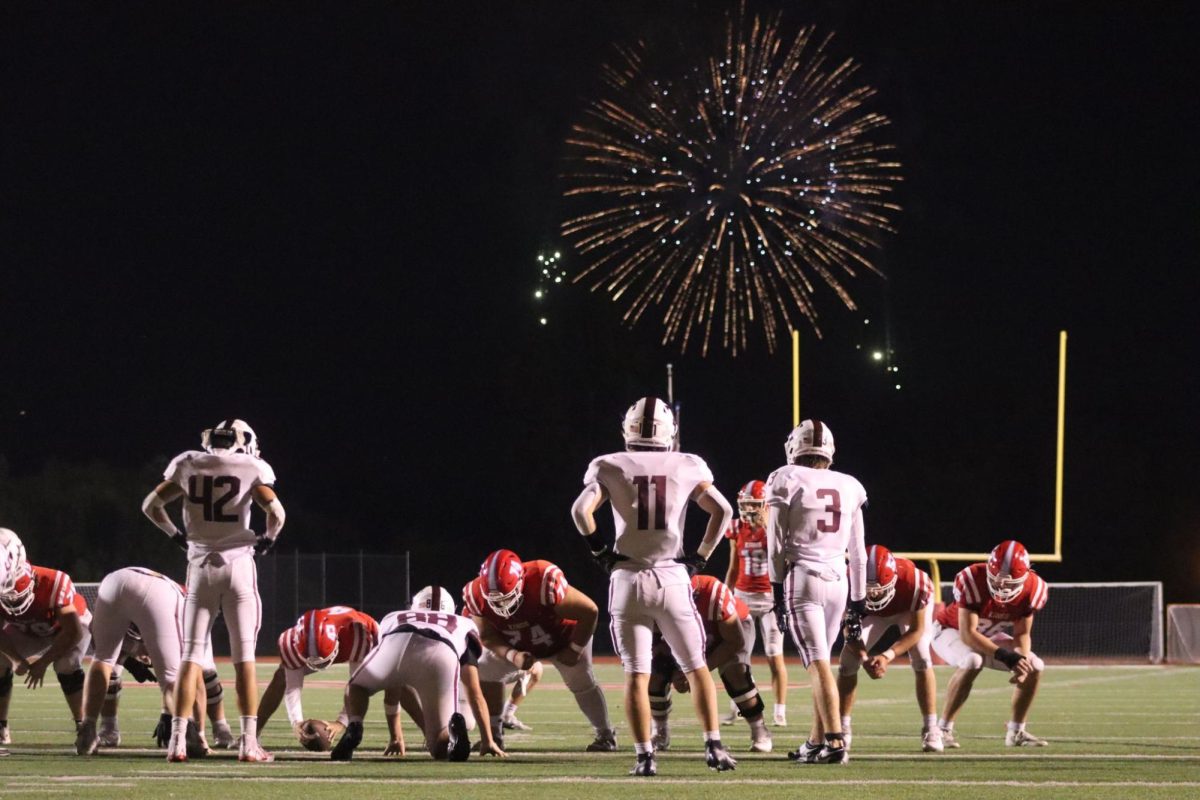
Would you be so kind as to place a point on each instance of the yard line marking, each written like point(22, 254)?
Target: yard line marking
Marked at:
point(697, 781)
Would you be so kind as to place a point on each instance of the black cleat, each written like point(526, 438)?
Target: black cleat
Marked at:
point(351, 739)
point(645, 767)
point(833, 755)
point(807, 754)
point(460, 746)
point(717, 757)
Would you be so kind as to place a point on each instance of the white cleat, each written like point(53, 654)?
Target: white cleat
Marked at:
point(661, 739)
point(931, 740)
point(223, 738)
point(762, 744)
point(949, 739)
point(109, 737)
point(250, 751)
point(1023, 738)
point(780, 720)
point(514, 724)
point(177, 749)
point(5, 735)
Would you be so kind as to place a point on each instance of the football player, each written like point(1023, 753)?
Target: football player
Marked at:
point(728, 624)
point(898, 595)
point(138, 611)
point(649, 486)
point(525, 611)
point(43, 622)
point(321, 638)
point(217, 487)
point(527, 680)
point(425, 653)
point(815, 516)
point(748, 575)
point(990, 624)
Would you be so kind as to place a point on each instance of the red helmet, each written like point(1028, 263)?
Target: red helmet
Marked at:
point(1007, 569)
point(314, 639)
point(18, 596)
point(503, 575)
point(881, 577)
point(752, 498)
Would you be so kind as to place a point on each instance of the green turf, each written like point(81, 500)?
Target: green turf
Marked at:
point(1115, 732)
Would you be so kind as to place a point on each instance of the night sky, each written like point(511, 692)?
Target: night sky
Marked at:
point(325, 219)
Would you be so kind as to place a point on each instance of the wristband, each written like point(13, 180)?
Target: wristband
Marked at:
point(510, 656)
point(889, 654)
point(578, 648)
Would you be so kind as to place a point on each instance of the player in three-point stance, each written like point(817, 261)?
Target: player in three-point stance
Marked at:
point(525, 611)
point(990, 599)
point(217, 487)
point(43, 623)
point(649, 487)
point(898, 595)
point(815, 516)
point(748, 575)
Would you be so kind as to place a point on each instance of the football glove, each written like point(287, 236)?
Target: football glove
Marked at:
point(180, 538)
point(1009, 658)
point(857, 607)
point(263, 544)
point(695, 564)
point(139, 670)
point(853, 627)
point(607, 558)
point(162, 731)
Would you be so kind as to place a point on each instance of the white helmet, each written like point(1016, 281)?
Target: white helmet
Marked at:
point(811, 437)
point(230, 436)
point(649, 425)
point(12, 557)
point(433, 598)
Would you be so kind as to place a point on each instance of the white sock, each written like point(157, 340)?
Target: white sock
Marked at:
point(249, 727)
point(944, 725)
point(1016, 726)
point(643, 747)
point(930, 721)
point(510, 710)
point(780, 709)
point(712, 736)
point(846, 723)
point(179, 725)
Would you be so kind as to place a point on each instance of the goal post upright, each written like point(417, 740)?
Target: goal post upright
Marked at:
point(1056, 556)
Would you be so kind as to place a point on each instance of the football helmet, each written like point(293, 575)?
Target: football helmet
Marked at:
point(1007, 569)
point(17, 599)
point(881, 577)
point(230, 436)
point(433, 598)
point(810, 437)
point(649, 425)
point(12, 556)
point(751, 500)
point(503, 575)
point(314, 639)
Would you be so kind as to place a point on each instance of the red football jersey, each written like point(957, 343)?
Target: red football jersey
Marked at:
point(716, 604)
point(914, 590)
point(971, 592)
point(357, 633)
point(750, 545)
point(52, 590)
point(534, 627)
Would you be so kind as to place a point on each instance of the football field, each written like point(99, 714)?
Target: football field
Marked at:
point(1115, 732)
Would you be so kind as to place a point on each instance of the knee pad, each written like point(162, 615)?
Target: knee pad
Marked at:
point(71, 682)
point(739, 685)
point(212, 687)
point(114, 686)
point(972, 661)
point(6, 682)
point(660, 697)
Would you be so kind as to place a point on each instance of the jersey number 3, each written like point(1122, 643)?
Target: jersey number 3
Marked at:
point(647, 485)
point(833, 508)
point(200, 492)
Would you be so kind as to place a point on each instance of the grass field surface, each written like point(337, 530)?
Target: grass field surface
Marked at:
point(1114, 731)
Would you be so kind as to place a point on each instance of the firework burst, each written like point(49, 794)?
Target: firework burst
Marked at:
point(726, 191)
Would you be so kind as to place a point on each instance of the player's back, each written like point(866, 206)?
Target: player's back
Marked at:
point(649, 491)
point(217, 496)
point(459, 632)
point(818, 507)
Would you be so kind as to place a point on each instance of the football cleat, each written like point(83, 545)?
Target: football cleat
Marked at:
point(5, 735)
point(86, 740)
point(645, 767)
point(832, 755)
point(109, 737)
point(1023, 738)
point(931, 740)
point(459, 747)
point(514, 724)
point(807, 754)
point(846, 737)
point(177, 748)
point(780, 720)
point(223, 738)
point(949, 739)
point(762, 743)
point(732, 716)
point(717, 757)
point(351, 738)
point(605, 742)
point(251, 752)
point(661, 739)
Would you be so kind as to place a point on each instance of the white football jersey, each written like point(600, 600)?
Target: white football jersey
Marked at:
point(649, 491)
point(217, 495)
point(818, 517)
point(459, 632)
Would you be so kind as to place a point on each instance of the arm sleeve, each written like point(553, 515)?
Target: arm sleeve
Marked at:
point(858, 558)
point(291, 695)
point(581, 510)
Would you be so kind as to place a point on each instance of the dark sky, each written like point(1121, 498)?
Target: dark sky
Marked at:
point(323, 218)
